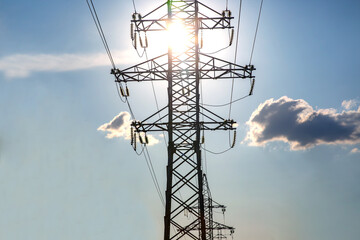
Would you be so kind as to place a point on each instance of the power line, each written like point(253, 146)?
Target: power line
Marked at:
point(100, 30)
point(257, 27)
point(133, 2)
point(146, 153)
point(235, 58)
point(154, 93)
point(219, 50)
point(147, 159)
point(216, 153)
point(202, 116)
point(153, 174)
point(225, 104)
point(104, 41)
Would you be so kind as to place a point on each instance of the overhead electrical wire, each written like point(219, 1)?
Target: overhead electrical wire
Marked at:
point(216, 153)
point(224, 48)
point(212, 105)
point(155, 96)
point(225, 104)
point(202, 110)
point(232, 82)
point(147, 159)
point(133, 2)
point(104, 41)
point(149, 162)
point(146, 154)
point(100, 30)
point(235, 57)
point(219, 50)
point(153, 175)
point(256, 31)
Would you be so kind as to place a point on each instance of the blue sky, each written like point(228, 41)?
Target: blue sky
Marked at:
point(61, 178)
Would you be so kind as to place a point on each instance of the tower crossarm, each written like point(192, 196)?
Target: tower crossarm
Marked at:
point(206, 23)
point(208, 18)
point(220, 226)
point(156, 69)
point(151, 70)
point(212, 122)
point(216, 68)
point(182, 126)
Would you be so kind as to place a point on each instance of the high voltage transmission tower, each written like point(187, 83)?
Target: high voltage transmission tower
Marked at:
point(189, 214)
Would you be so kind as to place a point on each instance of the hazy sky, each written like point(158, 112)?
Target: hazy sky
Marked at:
point(293, 175)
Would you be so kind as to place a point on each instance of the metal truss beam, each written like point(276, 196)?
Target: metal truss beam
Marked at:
point(156, 69)
point(148, 23)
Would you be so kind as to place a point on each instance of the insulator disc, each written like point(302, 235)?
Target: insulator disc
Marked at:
point(122, 92)
point(231, 37)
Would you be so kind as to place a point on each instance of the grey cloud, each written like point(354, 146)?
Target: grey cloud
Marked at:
point(297, 123)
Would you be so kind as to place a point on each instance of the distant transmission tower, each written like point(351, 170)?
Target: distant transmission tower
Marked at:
point(189, 206)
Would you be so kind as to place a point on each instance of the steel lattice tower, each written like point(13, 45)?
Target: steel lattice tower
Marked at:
point(188, 210)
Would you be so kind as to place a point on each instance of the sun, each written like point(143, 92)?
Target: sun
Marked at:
point(178, 36)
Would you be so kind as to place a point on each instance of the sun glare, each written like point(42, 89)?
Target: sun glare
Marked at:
point(178, 37)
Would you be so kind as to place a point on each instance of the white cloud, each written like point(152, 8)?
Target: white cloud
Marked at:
point(297, 123)
point(119, 127)
point(349, 104)
point(22, 65)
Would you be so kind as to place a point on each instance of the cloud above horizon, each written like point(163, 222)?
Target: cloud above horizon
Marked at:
point(300, 125)
point(119, 127)
point(23, 65)
point(349, 104)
